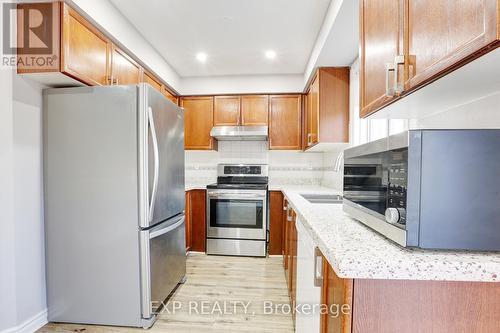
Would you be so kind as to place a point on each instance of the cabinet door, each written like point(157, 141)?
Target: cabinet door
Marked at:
point(86, 52)
point(169, 95)
point(254, 110)
point(283, 224)
point(293, 274)
point(197, 219)
point(285, 122)
point(188, 220)
point(285, 235)
point(227, 110)
point(149, 78)
point(275, 222)
point(441, 34)
point(313, 113)
point(381, 41)
point(124, 70)
point(336, 293)
point(198, 121)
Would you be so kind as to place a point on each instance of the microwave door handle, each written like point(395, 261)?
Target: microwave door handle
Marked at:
point(156, 164)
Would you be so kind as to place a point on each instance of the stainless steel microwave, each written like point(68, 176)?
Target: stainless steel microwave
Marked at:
point(432, 189)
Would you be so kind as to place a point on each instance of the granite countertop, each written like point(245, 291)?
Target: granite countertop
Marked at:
point(355, 251)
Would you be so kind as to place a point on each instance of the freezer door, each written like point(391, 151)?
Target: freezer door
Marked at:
point(164, 263)
point(163, 156)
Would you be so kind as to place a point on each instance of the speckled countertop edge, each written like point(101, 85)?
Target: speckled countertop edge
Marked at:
point(355, 251)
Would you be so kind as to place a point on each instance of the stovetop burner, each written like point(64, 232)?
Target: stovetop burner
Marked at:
point(241, 177)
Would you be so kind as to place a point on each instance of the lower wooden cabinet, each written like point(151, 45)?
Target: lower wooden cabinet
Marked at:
point(336, 295)
point(293, 265)
point(286, 211)
point(188, 222)
point(382, 306)
point(275, 223)
point(290, 257)
point(196, 220)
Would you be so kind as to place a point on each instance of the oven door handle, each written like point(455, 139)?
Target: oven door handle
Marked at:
point(236, 196)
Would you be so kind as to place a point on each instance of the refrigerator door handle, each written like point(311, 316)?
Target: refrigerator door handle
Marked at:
point(156, 158)
point(156, 233)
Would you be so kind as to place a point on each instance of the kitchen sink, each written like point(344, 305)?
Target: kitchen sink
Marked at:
point(323, 198)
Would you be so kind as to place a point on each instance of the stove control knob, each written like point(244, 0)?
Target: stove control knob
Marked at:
point(392, 215)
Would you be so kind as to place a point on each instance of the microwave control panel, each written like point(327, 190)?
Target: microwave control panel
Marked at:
point(396, 196)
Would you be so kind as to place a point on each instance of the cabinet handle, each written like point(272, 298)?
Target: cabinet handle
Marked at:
point(288, 213)
point(309, 136)
point(318, 268)
point(388, 69)
point(398, 60)
point(112, 80)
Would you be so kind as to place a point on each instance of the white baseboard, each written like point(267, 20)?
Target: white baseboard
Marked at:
point(31, 325)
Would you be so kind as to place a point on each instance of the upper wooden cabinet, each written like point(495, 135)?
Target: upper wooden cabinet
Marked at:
point(254, 110)
point(226, 110)
point(407, 44)
point(285, 121)
point(381, 42)
point(151, 80)
point(441, 34)
point(81, 54)
point(312, 113)
point(198, 121)
point(169, 95)
point(327, 108)
point(124, 70)
point(85, 52)
point(247, 110)
point(155, 83)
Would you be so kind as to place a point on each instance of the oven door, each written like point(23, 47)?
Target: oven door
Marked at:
point(237, 214)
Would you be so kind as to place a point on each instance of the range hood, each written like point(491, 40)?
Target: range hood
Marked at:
point(239, 133)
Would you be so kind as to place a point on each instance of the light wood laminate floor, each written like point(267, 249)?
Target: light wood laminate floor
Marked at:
point(221, 294)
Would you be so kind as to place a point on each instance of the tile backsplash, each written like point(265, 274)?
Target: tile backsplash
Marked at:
point(285, 167)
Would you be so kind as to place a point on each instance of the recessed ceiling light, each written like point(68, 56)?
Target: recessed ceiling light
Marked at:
point(201, 56)
point(270, 54)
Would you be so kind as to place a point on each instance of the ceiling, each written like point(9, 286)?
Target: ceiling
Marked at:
point(235, 34)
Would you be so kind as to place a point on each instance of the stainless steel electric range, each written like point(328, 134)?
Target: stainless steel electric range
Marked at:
point(237, 211)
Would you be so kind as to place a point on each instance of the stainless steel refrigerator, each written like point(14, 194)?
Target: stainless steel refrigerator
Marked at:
point(114, 203)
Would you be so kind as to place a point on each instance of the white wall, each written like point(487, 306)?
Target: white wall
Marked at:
point(482, 113)
point(23, 300)
point(28, 198)
point(7, 226)
point(242, 84)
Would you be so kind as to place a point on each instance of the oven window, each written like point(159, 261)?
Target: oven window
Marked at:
point(234, 213)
